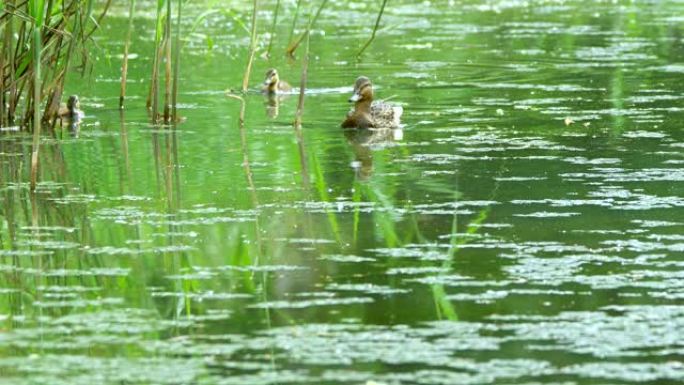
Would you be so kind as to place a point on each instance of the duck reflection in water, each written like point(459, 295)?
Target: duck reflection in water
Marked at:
point(367, 140)
point(272, 104)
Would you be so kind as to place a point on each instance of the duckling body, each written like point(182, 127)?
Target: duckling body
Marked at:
point(368, 113)
point(273, 85)
point(71, 111)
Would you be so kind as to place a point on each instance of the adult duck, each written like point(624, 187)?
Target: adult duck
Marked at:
point(368, 113)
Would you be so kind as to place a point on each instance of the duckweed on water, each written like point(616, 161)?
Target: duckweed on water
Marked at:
point(523, 227)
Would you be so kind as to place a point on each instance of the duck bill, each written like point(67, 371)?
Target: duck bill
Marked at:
point(355, 98)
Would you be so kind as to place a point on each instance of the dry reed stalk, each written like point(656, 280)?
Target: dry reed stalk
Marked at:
point(302, 85)
point(37, 12)
point(295, 44)
point(252, 47)
point(375, 29)
point(176, 62)
point(273, 27)
point(124, 64)
point(167, 66)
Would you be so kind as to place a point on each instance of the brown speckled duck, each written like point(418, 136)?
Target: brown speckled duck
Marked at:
point(273, 84)
point(368, 113)
point(71, 111)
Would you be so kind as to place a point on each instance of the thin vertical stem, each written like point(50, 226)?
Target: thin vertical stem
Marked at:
point(295, 44)
point(3, 54)
point(124, 65)
point(37, 13)
point(273, 27)
point(294, 20)
point(153, 97)
point(176, 61)
point(252, 47)
point(375, 28)
point(167, 60)
point(11, 95)
point(302, 85)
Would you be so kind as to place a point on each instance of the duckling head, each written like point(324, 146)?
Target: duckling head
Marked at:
point(272, 79)
point(363, 90)
point(73, 104)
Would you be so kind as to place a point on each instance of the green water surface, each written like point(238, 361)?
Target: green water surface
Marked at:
point(524, 226)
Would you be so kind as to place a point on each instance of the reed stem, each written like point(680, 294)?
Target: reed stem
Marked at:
point(124, 65)
point(302, 85)
point(273, 27)
point(167, 63)
point(37, 13)
point(375, 28)
point(153, 96)
point(252, 47)
point(294, 20)
point(176, 62)
point(8, 47)
point(295, 44)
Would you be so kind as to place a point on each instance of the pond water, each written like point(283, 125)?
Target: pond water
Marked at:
point(523, 227)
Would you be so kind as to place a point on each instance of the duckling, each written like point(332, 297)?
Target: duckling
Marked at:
point(368, 113)
point(71, 114)
point(71, 111)
point(273, 84)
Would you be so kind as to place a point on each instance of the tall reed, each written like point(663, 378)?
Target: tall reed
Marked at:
point(302, 85)
point(294, 20)
point(59, 28)
point(153, 95)
point(252, 47)
point(273, 28)
point(124, 65)
point(167, 63)
point(176, 60)
point(295, 44)
point(37, 13)
point(375, 29)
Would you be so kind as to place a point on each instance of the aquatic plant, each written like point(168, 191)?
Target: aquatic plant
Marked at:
point(273, 27)
point(302, 84)
point(153, 95)
point(36, 11)
point(292, 47)
point(167, 52)
point(176, 61)
point(252, 46)
point(375, 29)
point(39, 40)
point(124, 64)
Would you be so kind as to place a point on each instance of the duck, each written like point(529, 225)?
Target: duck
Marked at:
point(273, 85)
point(368, 113)
point(71, 111)
point(71, 114)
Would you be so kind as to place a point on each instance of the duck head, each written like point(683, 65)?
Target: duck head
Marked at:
point(363, 91)
point(73, 104)
point(272, 79)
